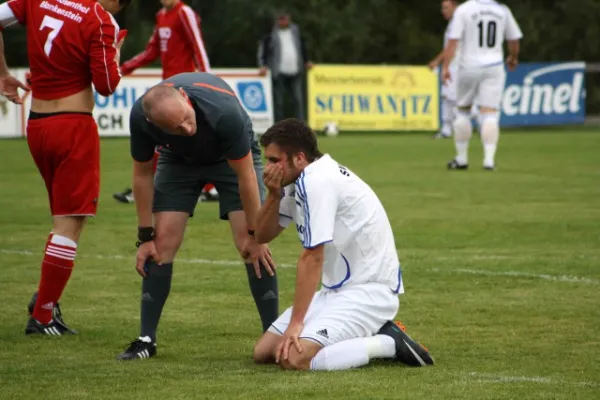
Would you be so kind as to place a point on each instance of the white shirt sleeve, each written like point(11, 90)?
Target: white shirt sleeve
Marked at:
point(320, 203)
point(7, 17)
point(286, 208)
point(457, 25)
point(513, 32)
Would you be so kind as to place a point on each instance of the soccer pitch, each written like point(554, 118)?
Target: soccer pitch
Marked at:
point(501, 269)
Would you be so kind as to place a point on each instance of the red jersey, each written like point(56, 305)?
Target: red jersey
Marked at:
point(177, 40)
point(70, 45)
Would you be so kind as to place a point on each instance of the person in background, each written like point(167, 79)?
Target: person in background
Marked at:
point(283, 52)
point(448, 91)
point(177, 40)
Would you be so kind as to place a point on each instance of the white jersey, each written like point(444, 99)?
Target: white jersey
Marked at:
point(330, 205)
point(453, 64)
point(481, 27)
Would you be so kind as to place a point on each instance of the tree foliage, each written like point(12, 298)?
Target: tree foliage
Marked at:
point(358, 31)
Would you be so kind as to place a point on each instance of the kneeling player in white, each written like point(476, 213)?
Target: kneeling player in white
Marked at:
point(348, 244)
point(481, 27)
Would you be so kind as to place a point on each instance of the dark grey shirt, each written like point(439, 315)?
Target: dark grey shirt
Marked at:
point(224, 128)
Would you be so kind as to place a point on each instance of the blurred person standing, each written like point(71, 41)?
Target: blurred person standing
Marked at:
point(283, 52)
point(177, 40)
point(448, 90)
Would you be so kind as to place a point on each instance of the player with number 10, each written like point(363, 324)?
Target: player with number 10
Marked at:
point(480, 26)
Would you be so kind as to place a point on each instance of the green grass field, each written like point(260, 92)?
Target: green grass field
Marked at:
point(502, 276)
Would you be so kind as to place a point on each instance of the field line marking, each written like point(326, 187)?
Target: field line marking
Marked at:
point(514, 274)
point(131, 258)
point(493, 378)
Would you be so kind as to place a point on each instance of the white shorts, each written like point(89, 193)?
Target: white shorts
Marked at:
point(347, 313)
point(448, 90)
point(481, 85)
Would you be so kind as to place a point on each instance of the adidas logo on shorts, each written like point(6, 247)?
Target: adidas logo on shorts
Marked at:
point(323, 332)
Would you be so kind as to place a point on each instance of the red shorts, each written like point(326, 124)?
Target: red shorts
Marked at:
point(66, 150)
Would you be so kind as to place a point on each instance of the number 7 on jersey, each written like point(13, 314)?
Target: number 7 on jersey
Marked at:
point(55, 26)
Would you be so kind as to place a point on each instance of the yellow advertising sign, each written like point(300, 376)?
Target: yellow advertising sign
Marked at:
point(371, 98)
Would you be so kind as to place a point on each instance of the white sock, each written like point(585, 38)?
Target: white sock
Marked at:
point(63, 241)
point(448, 114)
point(463, 130)
point(490, 133)
point(353, 353)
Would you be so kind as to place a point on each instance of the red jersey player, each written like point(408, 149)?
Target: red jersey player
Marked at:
point(70, 44)
point(177, 40)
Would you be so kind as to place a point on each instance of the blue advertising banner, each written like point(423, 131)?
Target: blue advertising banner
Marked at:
point(544, 94)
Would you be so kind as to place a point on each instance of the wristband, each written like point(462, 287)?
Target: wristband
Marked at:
point(145, 234)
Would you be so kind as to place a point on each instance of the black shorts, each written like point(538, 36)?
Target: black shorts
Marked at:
point(177, 184)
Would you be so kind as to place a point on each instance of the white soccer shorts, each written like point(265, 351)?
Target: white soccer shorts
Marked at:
point(482, 86)
point(346, 313)
point(448, 90)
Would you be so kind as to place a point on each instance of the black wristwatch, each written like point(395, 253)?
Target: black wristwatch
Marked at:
point(145, 234)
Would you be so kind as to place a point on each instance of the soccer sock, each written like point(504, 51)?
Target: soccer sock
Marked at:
point(57, 266)
point(463, 130)
point(448, 114)
point(155, 290)
point(265, 293)
point(353, 353)
point(490, 133)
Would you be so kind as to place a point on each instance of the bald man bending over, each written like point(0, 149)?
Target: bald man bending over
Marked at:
point(205, 135)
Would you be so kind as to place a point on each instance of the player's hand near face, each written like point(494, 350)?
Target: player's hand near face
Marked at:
point(272, 177)
point(146, 251)
point(258, 254)
point(290, 337)
point(9, 88)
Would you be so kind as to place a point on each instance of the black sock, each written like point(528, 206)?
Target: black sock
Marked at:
point(265, 293)
point(155, 290)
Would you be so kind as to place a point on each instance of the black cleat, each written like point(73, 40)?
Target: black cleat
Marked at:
point(54, 328)
point(56, 314)
point(455, 165)
point(124, 197)
point(140, 348)
point(408, 351)
point(440, 135)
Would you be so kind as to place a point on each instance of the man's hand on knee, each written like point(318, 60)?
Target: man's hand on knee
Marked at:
point(300, 361)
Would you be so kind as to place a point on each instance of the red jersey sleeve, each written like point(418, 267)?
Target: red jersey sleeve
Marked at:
point(105, 70)
point(191, 25)
point(11, 12)
point(151, 53)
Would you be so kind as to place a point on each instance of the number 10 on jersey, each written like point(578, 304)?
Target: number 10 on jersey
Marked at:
point(487, 33)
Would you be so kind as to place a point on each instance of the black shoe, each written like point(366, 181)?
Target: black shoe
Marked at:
point(455, 165)
point(407, 350)
point(440, 135)
point(124, 197)
point(56, 314)
point(54, 328)
point(140, 348)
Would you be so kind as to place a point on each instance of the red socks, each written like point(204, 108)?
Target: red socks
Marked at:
point(56, 270)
